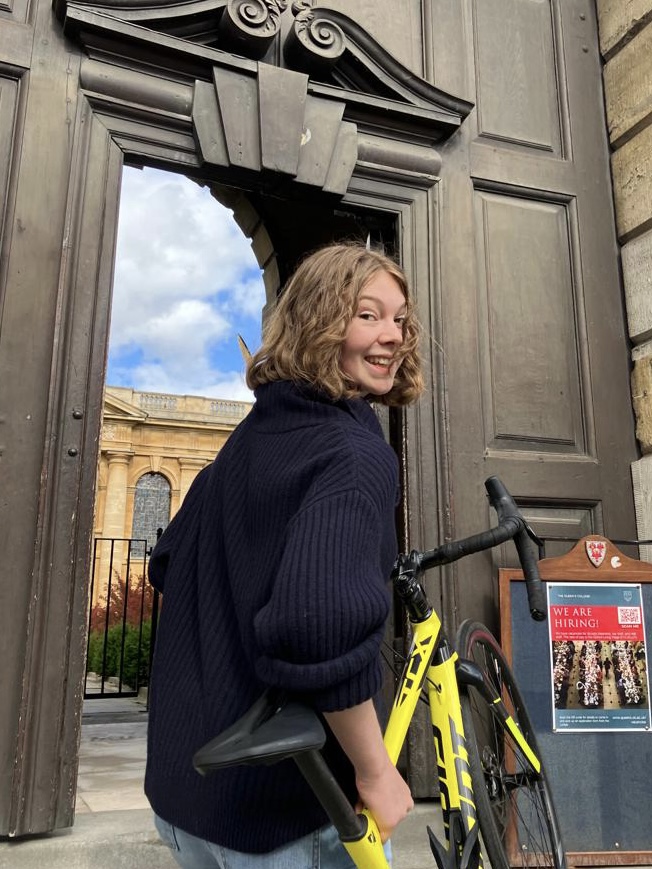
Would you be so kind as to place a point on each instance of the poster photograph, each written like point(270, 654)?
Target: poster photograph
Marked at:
point(598, 661)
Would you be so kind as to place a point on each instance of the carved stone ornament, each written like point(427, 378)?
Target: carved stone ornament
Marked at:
point(246, 27)
point(251, 25)
point(326, 43)
point(314, 42)
point(298, 92)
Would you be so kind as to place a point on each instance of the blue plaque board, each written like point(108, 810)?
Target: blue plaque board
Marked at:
point(601, 778)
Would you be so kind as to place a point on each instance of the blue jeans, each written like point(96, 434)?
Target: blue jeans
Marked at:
point(319, 850)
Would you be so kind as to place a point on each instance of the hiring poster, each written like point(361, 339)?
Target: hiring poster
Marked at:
point(598, 656)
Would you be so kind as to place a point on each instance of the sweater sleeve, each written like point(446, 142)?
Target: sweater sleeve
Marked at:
point(319, 634)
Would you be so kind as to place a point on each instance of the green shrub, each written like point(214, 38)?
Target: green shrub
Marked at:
point(135, 665)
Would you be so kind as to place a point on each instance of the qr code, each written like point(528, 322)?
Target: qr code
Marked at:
point(629, 615)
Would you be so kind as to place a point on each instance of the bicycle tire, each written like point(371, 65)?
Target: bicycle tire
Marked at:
point(514, 805)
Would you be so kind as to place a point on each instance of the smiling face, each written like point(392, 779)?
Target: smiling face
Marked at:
point(371, 349)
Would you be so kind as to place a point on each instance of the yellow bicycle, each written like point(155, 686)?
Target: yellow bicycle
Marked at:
point(491, 778)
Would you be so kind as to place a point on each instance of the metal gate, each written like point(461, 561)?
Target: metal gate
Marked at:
point(122, 619)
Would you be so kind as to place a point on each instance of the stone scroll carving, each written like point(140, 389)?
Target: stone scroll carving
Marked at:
point(330, 46)
point(314, 43)
point(251, 26)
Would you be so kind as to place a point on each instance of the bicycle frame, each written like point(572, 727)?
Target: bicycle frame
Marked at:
point(432, 662)
point(441, 685)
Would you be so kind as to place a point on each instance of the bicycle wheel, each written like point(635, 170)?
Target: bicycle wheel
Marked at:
point(514, 805)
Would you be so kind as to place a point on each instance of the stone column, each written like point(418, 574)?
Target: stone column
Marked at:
point(115, 505)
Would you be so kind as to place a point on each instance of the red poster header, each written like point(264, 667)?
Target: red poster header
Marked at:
point(596, 622)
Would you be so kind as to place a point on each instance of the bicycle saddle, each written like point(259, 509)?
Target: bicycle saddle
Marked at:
point(271, 730)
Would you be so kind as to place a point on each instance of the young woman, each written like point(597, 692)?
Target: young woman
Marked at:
point(275, 570)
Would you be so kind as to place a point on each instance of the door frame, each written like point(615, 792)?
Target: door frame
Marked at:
point(128, 115)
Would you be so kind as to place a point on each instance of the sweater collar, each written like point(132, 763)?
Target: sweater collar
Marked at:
point(300, 404)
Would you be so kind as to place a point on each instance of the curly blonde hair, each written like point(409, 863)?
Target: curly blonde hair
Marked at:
point(302, 340)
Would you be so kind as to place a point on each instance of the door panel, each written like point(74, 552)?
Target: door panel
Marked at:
point(529, 353)
point(516, 64)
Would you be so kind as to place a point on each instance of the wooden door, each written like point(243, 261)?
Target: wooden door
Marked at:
point(534, 342)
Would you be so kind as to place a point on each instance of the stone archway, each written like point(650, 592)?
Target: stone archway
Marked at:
point(253, 227)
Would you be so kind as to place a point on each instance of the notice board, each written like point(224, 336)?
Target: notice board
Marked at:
point(584, 677)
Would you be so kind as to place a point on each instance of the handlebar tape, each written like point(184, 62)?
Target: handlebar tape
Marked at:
point(511, 526)
point(536, 595)
point(457, 549)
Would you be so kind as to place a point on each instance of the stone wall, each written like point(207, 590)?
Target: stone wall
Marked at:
point(626, 46)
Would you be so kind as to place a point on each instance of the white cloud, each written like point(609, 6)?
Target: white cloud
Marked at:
point(185, 281)
point(248, 298)
point(229, 384)
point(178, 334)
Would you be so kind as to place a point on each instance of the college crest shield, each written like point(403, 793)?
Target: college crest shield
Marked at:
point(596, 550)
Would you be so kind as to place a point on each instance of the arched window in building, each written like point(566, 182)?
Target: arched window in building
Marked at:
point(151, 510)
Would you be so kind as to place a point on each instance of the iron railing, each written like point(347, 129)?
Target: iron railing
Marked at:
point(122, 619)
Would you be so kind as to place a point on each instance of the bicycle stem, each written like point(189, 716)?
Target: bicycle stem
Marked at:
point(511, 526)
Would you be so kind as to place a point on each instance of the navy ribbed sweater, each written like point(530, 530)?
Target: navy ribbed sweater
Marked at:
point(273, 572)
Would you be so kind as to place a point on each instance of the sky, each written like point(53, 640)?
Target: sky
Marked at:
point(186, 283)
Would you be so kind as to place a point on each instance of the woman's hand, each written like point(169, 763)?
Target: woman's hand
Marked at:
point(387, 797)
point(381, 787)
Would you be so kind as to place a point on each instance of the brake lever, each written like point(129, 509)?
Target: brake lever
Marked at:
point(534, 537)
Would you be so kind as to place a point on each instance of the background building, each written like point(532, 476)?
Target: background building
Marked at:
point(152, 447)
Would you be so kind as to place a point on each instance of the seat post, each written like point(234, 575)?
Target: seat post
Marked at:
point(348, 824)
